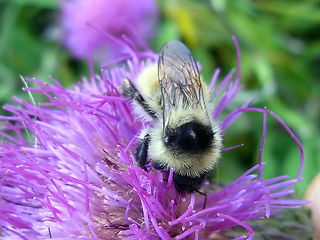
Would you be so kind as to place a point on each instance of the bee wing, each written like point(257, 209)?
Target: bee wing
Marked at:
point(179, 78)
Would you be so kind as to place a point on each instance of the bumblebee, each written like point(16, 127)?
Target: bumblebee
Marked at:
point(183, 135)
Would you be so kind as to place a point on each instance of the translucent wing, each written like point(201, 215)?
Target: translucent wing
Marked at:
point(179, 78)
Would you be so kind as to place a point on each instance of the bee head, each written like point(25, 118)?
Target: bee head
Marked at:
point(191, 137)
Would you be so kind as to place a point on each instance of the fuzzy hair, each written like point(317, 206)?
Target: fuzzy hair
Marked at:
point(192, 165)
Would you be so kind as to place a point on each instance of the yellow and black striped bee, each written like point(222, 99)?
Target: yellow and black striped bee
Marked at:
point(183, 135)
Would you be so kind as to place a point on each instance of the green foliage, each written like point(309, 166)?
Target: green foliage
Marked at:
point(279, 42)
point(29, 47)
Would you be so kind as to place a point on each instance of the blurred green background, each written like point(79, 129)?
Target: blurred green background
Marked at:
point(280, 47)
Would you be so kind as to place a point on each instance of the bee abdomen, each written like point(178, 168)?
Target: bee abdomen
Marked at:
point(191, 137)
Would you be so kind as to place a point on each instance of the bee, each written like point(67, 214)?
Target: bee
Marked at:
point(183, 135)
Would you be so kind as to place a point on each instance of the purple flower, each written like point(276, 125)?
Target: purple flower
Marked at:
point(91, 25)
point(67, 169)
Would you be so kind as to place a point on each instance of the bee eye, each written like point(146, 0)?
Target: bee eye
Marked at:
point(169, 139)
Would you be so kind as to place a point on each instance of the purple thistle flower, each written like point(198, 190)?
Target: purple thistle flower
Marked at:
point(91, 25)
point(77, 177)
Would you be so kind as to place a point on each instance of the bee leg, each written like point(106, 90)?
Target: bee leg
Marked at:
point(129, 91)
point(205, 198)
point(142, 151)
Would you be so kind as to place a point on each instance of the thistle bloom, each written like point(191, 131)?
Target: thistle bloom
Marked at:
point(91, 25)
point(78, 179)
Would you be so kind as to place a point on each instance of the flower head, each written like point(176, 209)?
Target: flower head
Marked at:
point(78, 178)
point(91, 25)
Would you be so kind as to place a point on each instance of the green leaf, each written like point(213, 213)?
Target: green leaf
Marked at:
point(52, 4)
